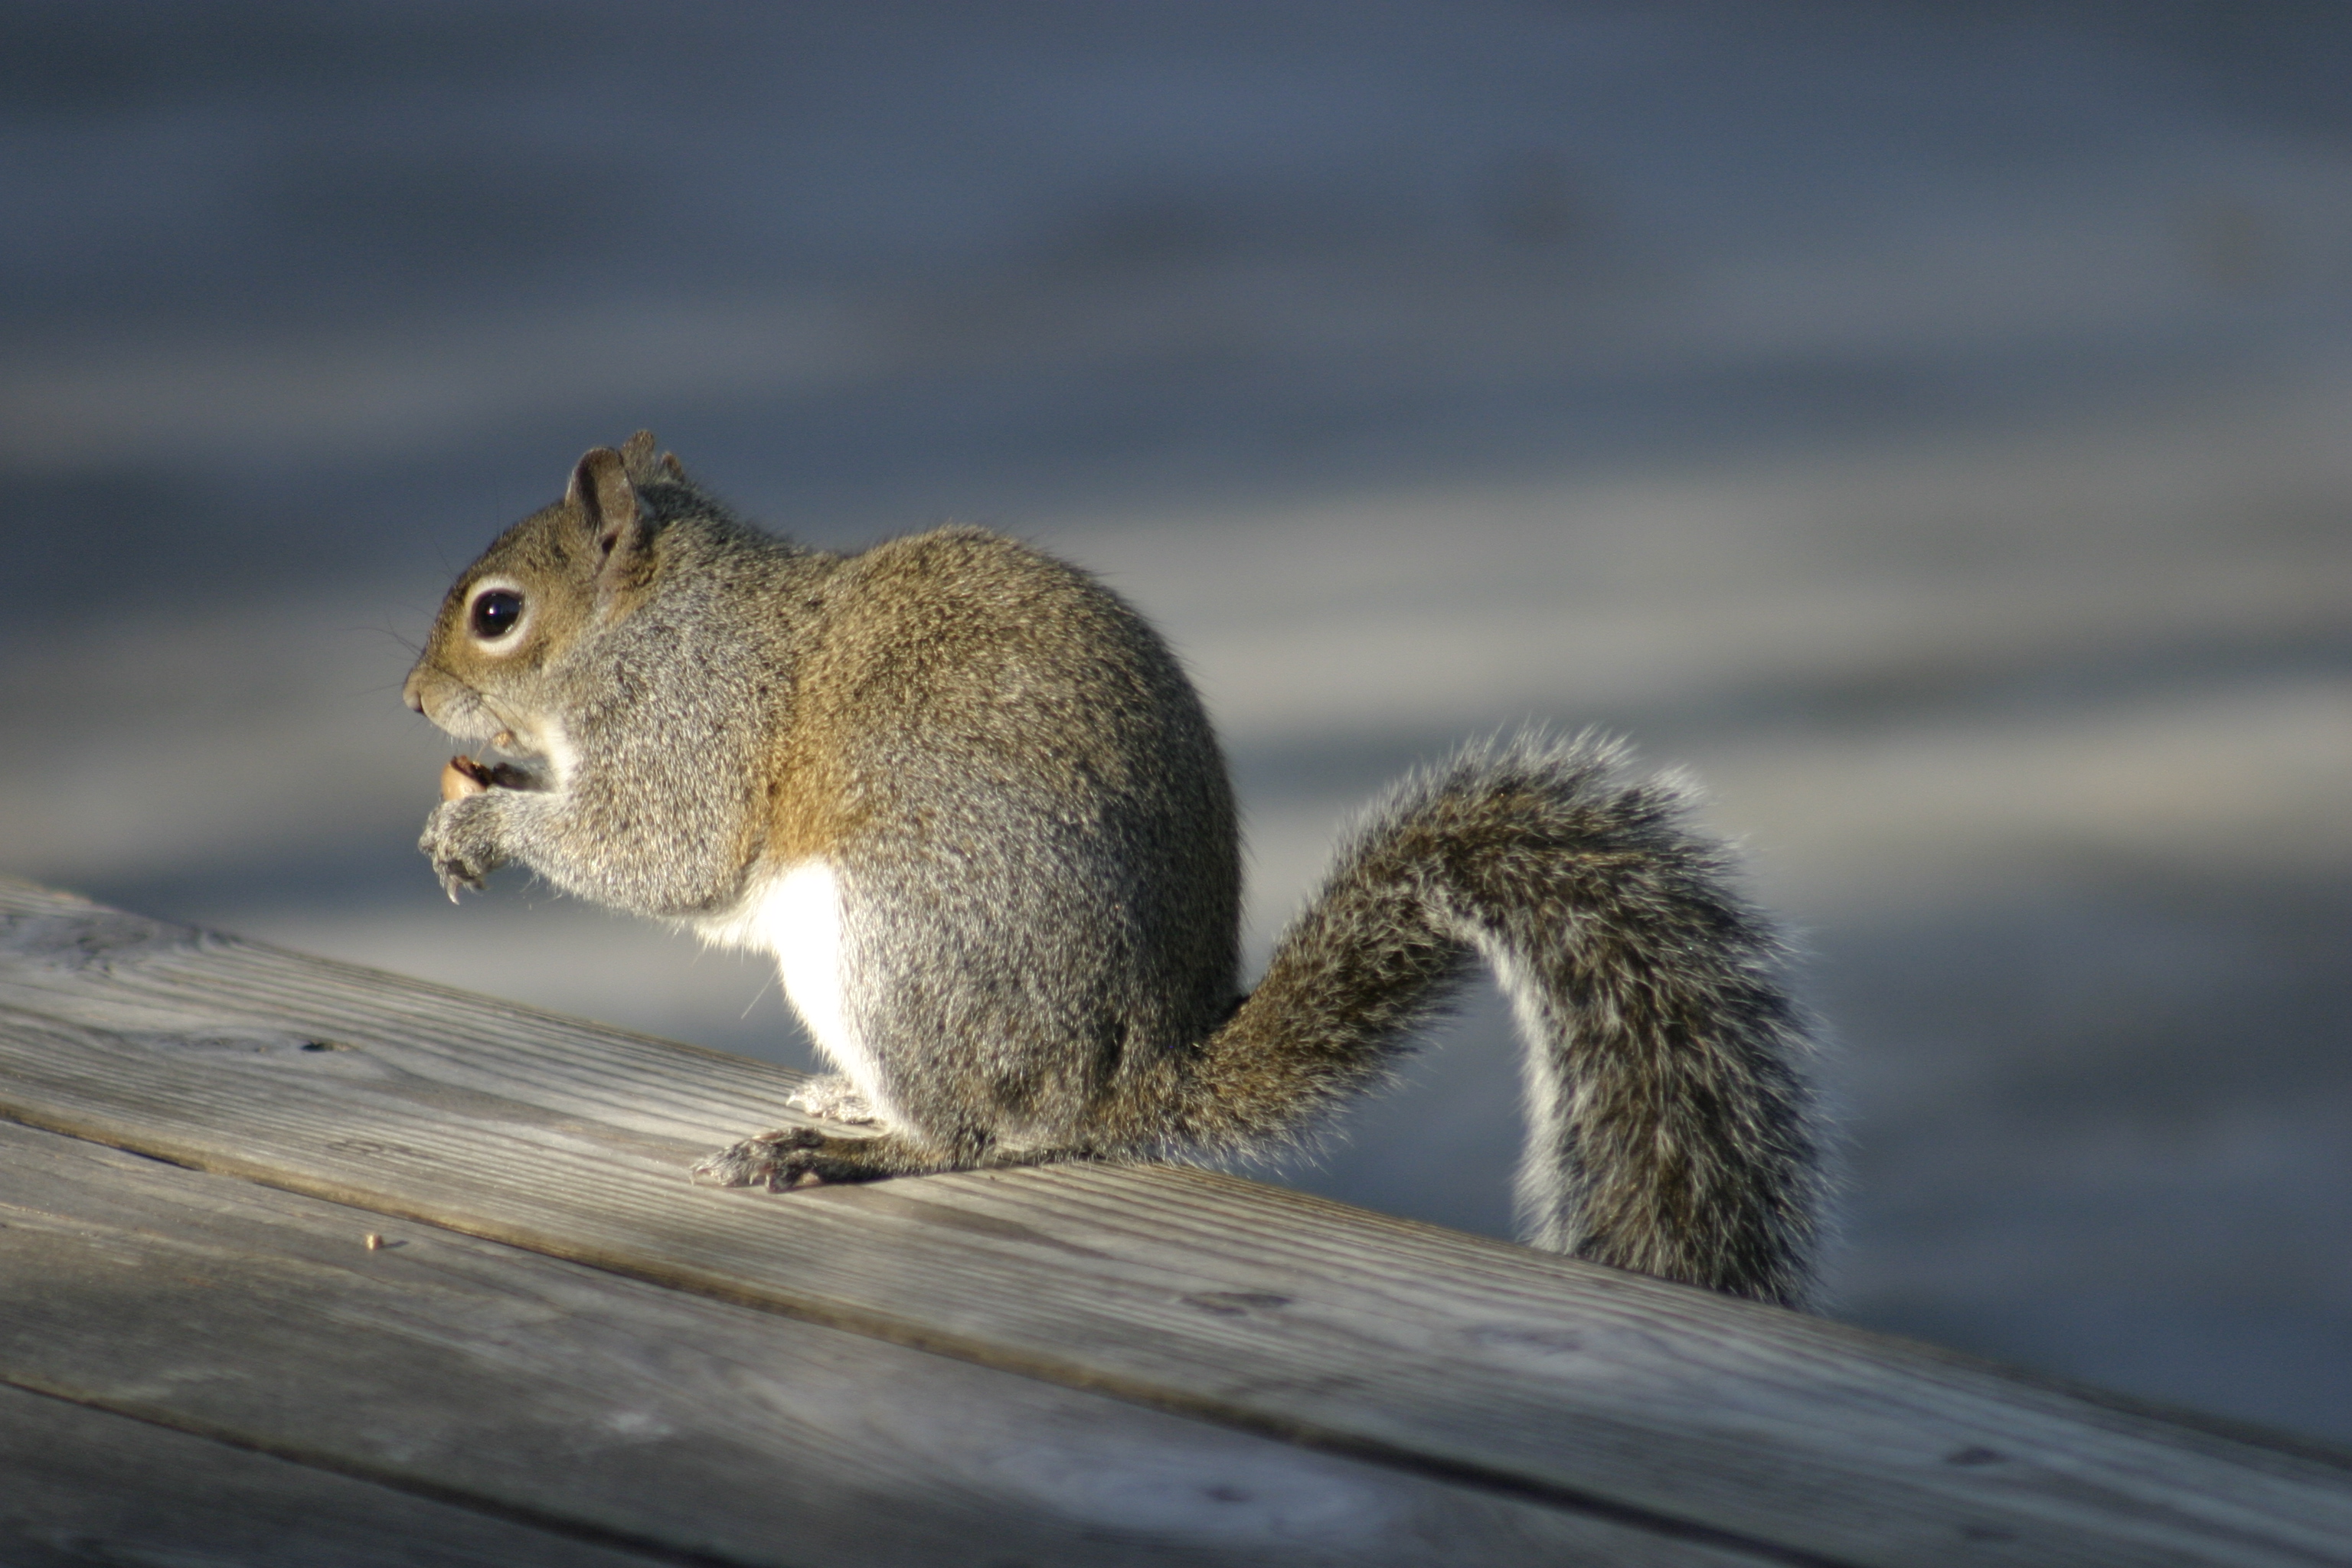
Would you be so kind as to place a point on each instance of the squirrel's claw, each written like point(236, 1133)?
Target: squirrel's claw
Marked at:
point(460, 840)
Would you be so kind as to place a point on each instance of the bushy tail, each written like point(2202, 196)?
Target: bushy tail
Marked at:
point(1669, 1131)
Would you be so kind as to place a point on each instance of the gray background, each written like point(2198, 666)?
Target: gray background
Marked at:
point(1930, 428)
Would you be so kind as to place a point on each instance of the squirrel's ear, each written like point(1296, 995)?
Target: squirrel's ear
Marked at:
point(637, 457)
point(602, 494)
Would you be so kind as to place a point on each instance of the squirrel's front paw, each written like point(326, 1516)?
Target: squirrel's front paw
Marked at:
point(461, 842)
point(792, 1157)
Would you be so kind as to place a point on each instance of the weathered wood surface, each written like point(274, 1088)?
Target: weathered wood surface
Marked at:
point(1711, 1423)
point(460, 1369)
point(80, 1487)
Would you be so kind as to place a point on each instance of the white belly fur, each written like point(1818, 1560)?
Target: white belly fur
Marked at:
point(799, 918)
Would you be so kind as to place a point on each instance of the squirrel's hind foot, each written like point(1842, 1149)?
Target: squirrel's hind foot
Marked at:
point(803, 1157)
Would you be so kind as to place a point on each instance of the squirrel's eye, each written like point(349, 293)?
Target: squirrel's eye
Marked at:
point(496, 613)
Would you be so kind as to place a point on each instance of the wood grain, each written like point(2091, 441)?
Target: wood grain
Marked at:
point(622, 1412)
point(85, 1488)
point(1439, 1354)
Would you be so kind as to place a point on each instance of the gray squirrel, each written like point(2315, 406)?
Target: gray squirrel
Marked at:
point(970, 802)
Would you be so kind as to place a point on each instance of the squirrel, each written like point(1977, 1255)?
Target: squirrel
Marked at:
point(972, 802)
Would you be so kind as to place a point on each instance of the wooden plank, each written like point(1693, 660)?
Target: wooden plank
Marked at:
point(1457, 1357)
point(84, 1488)
point(620, 1412)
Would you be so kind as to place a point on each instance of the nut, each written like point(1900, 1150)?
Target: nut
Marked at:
point(463, 776)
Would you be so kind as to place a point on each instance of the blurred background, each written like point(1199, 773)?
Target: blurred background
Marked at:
point(1931, 425)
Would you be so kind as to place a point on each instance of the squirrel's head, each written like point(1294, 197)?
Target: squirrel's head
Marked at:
point(544, 584)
